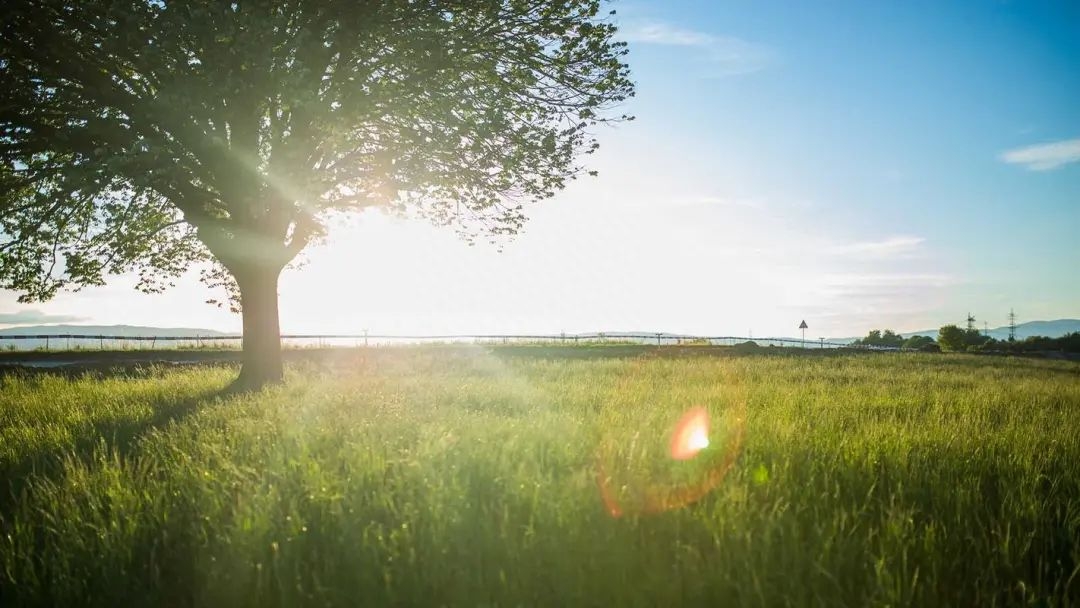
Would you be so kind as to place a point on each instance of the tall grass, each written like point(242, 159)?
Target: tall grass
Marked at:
point(439, 477)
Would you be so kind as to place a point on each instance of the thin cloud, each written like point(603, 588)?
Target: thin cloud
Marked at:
point(33, 317)
point(728, 55)
point(662, 33)
point(839, 282)
point(696, 202)
point(1044, 157)
point(718, 201)
point(895, 246)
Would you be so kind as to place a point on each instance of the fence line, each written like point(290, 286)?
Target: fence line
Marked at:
point(645, 338)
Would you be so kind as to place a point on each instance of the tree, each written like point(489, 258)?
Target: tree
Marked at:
point(873, 337)
point(976, 340)
point(1069, 343)
point(877, 338)
point(951, 337)
point(150, 135)
point(891, 338)
point(918, 342)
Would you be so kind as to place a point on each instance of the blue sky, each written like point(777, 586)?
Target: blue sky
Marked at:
point(856, 164)
point(890, 119)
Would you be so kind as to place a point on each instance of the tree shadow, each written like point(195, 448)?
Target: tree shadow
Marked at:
point(118, 435)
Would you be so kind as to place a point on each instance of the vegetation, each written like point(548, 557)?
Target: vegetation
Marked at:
point(953, 338)
point(877, 338)
point(1069, 343)
point(468, 476)
point(918, 342)
point(148, 137)
point(891, 339)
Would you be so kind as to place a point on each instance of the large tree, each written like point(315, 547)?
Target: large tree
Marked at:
point(150, 135)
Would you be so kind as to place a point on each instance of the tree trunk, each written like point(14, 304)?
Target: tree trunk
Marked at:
point(261, 360)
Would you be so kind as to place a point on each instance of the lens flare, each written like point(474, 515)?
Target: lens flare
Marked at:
point(691, 434)
point(628, 489)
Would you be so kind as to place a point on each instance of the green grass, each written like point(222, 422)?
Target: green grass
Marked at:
point(427, 476)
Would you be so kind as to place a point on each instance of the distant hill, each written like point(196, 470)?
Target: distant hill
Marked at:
point(109, 330)
point(125, 331)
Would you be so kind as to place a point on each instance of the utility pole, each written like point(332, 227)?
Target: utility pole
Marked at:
point(1012, 326)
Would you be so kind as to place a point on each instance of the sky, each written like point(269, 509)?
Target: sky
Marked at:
point(855, 164)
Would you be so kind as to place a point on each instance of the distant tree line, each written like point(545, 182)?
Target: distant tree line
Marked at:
point(957, 339)
point(890, 339)
point(953, 338)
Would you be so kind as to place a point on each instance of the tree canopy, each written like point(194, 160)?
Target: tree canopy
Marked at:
point(876, 337)
point(918, 342)
point(951, 337)
point(956, 339)
point(148, 135)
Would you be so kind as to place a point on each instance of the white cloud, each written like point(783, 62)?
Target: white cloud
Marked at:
point(895, 246)
point(727, 54)
point(1044, 157)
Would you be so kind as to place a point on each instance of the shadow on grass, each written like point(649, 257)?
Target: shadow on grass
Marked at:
point(975, 361)
point(119, 435)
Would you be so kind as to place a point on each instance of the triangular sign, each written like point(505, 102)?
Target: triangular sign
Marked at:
point(803, 325)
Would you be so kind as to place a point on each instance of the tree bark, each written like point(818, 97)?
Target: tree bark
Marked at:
point(261, 360)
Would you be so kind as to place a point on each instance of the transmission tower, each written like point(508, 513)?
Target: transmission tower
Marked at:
point(986, 328)
point(1012, 326)
point(970, 322)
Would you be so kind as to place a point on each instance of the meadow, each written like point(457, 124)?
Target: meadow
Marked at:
point(474, 477)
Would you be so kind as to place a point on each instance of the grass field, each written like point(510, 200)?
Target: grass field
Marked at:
point(455, 476)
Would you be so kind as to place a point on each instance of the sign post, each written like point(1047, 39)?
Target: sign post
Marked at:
point(803, 326)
